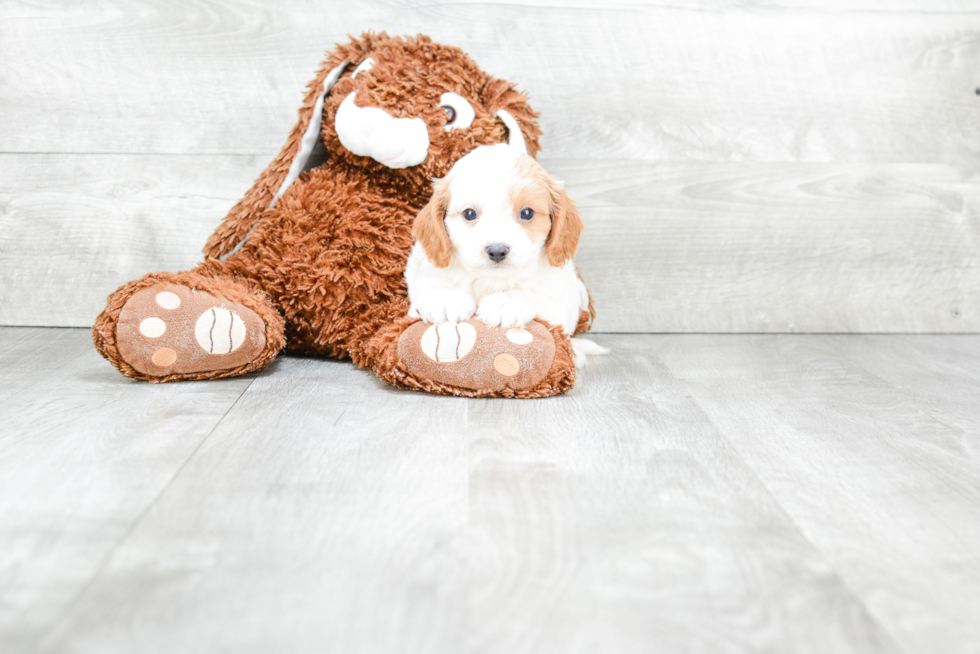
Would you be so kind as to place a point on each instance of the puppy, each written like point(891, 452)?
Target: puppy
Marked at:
point(497, 240)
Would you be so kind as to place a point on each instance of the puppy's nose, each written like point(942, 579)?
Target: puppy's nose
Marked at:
point(497, 251)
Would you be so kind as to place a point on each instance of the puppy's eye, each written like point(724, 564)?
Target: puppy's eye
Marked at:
point(469, 214)
point(527, 213)
point(459, 112)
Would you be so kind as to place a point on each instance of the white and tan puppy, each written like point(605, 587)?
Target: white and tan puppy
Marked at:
point(497, 241)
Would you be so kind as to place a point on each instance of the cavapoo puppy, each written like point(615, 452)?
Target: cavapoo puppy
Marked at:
point(497, 240)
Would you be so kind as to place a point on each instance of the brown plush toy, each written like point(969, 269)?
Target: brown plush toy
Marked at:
point(314, 261)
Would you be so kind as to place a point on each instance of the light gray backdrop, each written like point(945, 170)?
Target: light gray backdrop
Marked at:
point(742, 166)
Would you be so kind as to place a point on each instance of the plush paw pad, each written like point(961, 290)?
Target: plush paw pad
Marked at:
point(172, 329)
point(473, 356)
point(220, 331)
point(448, 341)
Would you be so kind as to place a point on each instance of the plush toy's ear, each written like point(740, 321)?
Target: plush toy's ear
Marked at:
point(515, 137)
point(510, 106)
point(429, 228)
point(311, 135)
point(282, 172)
point(566, 225)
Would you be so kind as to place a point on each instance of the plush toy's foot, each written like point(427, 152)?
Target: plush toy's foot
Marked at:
point(470, 358)
point(166, 331)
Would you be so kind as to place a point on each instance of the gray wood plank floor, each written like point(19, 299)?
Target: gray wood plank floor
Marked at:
point(694, 493)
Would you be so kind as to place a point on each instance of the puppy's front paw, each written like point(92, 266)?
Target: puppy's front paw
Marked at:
point(506, 310)
point(442, 306)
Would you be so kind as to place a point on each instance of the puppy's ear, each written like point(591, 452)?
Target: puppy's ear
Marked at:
point(566, 225)
point(429, 228)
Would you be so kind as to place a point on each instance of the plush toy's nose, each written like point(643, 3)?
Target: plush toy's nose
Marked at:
point(497, 252)
point(373, 132)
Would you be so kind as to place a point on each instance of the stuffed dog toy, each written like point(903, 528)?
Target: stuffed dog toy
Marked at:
point(312, 259)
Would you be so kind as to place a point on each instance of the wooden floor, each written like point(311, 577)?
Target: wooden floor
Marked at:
point(777, 166)
point(694, 493)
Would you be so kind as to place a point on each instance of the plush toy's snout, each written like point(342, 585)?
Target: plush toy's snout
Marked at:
point(372, 132)
point(404, 142)
point(400, 136)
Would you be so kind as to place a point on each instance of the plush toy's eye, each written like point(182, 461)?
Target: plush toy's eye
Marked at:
point(469, 214)
point(459, 112)
point(527, 213)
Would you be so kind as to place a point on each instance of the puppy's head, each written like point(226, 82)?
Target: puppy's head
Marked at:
point(498, 213)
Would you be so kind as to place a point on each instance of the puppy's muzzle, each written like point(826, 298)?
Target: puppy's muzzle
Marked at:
point(497, 252)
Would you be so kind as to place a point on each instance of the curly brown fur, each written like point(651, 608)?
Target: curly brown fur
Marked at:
point(447, 66)
point(325, 267)
point(332, 253)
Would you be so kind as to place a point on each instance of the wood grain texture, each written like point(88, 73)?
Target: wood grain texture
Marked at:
point(784, 166)
point(330, 512)
point(692, 494)
point(325, 513)
point(619, 519)
point(779, 247)
point(681, 247)
point(847, 435)
point(75, 227)
point(83, 454)
point(799, 81)
point(946, 389)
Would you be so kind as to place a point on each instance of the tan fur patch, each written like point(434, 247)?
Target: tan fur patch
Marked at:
point(566, 225)
point(429, 227)
point(529, 188)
